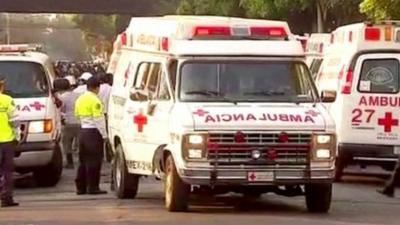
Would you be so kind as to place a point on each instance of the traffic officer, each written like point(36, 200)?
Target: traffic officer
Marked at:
point(8, 136)
point(388, 190)
point(89, 109)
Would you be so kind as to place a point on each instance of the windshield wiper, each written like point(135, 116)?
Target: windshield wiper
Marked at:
point(203, 92)
point(265, 93)
point(219, 95)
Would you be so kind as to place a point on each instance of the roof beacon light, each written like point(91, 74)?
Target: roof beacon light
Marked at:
point(212, 30)
point(269, 31)
point(372, 34)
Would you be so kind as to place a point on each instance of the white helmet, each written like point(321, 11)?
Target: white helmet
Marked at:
point(85, 76)
point(71, 79)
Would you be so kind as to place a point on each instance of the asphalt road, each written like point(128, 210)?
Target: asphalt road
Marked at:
point(355, 203)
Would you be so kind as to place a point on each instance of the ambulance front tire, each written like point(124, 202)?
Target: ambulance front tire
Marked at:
point(176, 191)
point(318, 197)
point(125, 184)
point(48, 176)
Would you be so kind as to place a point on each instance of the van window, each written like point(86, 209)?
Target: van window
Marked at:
point(314, 68)
point(246, 81)
point(163, 92)
point(142, 76)
point(379, 76)
point(24, 79)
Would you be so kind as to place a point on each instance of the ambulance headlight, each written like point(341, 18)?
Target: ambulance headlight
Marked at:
point(323, 139)
point(40, 126)
point(194, 146)
point(196, 139)
point(323, 147)
point(323, 154)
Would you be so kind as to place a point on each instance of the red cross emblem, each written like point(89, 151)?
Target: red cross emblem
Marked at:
point(252, 176)
point(388, 122)
point(312, 113)
point(200, 112)
point(37, 106)
point(140, 120)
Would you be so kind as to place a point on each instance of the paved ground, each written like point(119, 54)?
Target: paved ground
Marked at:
point(355, 203)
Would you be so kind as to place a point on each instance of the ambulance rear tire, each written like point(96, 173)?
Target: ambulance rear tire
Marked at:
point(318, 197)
point(176, 191)
point(126, 185)
point(48, 176)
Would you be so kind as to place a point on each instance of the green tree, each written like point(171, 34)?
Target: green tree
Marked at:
point(381, 9)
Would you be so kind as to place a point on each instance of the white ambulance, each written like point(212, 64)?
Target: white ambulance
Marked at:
point(362, 65)
point(315, 50)
point(29, 74)
point(213, 105)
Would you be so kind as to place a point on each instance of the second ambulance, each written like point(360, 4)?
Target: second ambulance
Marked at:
point(212, 105)
point(363, 65)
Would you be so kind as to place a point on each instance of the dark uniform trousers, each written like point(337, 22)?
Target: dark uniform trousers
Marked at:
point(7, 152)
point(394, 179)
point(90, 158)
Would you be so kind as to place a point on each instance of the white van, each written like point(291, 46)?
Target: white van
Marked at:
point(212, 105)
point(315, 50)
point(362, 65)
point(29, 74)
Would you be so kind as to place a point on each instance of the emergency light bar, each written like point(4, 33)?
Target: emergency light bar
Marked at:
point(20, 48)
point(261, 32)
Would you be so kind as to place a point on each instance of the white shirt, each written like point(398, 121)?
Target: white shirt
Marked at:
point(68, 107)
point(104, 95)
point(80, 89)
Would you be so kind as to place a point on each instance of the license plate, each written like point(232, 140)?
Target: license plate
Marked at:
point(396, 150)
point(260, 176)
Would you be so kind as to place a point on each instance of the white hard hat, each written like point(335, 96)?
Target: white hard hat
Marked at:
point(86, 76)
point(71, 79)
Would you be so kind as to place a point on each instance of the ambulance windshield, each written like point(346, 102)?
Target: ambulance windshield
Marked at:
point(246, 81)
point(24, 79)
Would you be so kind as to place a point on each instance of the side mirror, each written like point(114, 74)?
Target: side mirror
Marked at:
point(138, 95)
point(328, 96)
point(61, 85)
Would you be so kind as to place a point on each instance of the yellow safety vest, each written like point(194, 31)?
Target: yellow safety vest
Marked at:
point(88, 105)
point(7, 107)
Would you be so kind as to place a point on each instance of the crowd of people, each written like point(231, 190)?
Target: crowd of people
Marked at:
point(76, 69)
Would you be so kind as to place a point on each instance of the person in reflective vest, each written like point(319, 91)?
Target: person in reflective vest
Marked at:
point(92, 136)
point(8, 141)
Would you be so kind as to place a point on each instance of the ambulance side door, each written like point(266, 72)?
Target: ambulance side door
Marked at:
point(136, 122)
point(159, 111)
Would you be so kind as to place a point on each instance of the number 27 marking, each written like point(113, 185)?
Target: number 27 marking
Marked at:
point(358, 114)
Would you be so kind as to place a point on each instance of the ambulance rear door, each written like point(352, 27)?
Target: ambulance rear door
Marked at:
point(371, 100)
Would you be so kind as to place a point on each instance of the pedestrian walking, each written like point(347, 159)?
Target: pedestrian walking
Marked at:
point(390, 185)
point(89, 109)
point(71, 125)
point(8, 141)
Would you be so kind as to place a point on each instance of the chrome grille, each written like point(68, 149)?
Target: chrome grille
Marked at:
point(223, 149)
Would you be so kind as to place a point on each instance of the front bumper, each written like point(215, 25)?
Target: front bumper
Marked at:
point(363, 152)
point(240, 176)
point(34, 154)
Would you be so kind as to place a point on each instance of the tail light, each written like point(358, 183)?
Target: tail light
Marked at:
point(123, 39)
point(346, 88)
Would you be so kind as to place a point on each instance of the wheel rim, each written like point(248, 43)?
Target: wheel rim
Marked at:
point(118, 173)
point(168, 187)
